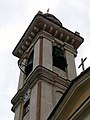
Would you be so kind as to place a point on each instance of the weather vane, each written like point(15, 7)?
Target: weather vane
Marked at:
point(82, 63)
point(48, 10)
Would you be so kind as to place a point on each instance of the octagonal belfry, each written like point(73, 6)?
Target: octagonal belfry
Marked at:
point(46, 53)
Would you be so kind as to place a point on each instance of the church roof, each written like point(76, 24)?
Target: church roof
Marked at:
point(78, 85)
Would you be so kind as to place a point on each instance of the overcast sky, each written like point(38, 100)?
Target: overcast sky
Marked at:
point(15, 16)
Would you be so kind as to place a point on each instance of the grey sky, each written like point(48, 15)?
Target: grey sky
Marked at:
point(15, 16)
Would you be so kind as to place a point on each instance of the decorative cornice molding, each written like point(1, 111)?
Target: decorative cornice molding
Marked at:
point(83, 108)
point(40, 22)
point(39, 74)
point(77, 87)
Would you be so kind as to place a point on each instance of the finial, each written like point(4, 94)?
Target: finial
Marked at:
point(48, 10)
point(77, 33)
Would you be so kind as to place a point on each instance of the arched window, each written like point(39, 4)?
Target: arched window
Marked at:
point(26, 99)
point(29, 66)
point(58, 58)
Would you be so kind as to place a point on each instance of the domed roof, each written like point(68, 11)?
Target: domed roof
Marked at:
point(52, 18)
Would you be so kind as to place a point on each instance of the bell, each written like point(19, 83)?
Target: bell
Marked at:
point(60, 62)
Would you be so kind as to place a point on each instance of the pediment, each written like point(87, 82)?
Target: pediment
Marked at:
point(75, 100)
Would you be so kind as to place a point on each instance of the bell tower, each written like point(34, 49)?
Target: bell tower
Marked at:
point(46, 53)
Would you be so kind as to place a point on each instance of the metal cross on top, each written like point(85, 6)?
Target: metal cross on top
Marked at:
point(48, 10)
point(82, 63)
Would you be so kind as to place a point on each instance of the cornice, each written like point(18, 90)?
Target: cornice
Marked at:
point(40, 22)
point(77, 87)
point(83, 108)
point(39, 74)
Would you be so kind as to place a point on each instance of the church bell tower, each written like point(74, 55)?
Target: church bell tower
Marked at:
point(46, 53)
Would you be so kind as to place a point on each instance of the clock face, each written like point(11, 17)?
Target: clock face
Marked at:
point(26, 95)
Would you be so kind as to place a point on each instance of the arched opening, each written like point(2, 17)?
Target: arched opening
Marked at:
point(58, 58)
point(29, 66)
